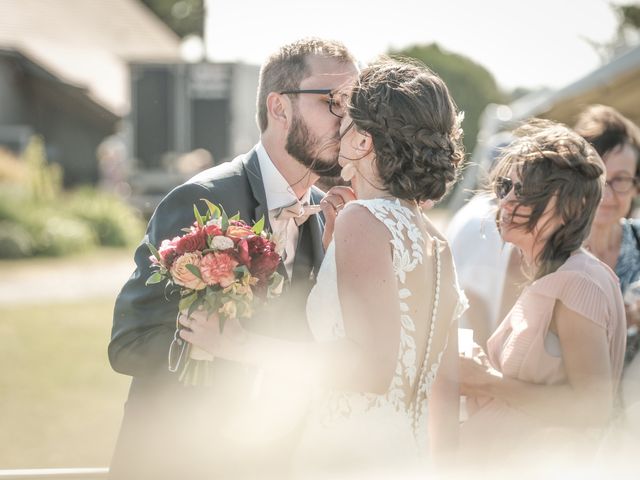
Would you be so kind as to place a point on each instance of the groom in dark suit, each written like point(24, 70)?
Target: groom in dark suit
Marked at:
point(173, 431)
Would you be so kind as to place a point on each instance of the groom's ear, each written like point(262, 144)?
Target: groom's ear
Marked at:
point(278, 109)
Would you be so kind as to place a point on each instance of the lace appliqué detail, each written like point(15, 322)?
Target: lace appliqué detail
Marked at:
point(400, 221)
point(408, 252)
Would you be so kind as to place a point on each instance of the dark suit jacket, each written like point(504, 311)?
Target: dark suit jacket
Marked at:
point(168, 430)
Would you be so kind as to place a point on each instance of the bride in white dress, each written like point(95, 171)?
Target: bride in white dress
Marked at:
point(383, 366)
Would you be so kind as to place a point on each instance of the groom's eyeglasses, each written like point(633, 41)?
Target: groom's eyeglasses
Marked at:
point(503, 186)
point(336, 103)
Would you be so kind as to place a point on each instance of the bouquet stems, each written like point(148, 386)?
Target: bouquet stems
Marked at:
point(196, 372)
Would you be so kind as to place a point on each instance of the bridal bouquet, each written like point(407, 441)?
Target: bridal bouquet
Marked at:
point(220, 264)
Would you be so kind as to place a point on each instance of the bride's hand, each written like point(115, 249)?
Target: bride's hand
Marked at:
point(203, 331)
point(477, 376)
point(334, 201)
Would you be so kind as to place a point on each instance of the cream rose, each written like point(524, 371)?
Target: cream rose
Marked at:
point(229, 309)
point(181, 274)
point(222, 243)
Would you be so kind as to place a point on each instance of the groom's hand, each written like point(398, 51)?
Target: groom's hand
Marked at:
point(204, 331)
point(201, 330)
point(334, 201)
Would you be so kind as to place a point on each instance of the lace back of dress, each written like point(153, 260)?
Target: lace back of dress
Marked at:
point(417, 362)
point(426, 285)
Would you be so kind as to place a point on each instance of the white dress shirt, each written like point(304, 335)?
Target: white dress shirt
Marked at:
point(480, 255)
point(280, 194)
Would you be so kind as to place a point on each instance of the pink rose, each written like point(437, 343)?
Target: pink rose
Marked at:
point(213, 230)
point(243, 252)
point(239, 223)
point(167, 252)
point(191, 242)
point(181, 274)
point(217, 269)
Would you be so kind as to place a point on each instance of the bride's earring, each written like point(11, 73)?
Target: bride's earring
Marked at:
point(348, 172)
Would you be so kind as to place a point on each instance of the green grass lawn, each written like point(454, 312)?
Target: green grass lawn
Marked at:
point(60, 402)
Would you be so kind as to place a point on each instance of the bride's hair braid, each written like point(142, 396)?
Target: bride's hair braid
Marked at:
point(414, 126)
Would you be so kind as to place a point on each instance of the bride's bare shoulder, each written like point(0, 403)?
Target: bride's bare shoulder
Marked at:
point(355, 214)
point(358, 225)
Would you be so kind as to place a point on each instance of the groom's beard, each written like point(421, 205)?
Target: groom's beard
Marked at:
point(307, 150)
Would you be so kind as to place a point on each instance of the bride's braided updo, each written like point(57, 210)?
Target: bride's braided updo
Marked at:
point(414, 125)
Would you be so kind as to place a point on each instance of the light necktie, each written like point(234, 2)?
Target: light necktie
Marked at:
point(300, 212)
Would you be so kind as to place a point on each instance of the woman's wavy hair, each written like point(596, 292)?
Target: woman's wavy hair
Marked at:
point(607, 129)
point(553, 161)
point(414, 125)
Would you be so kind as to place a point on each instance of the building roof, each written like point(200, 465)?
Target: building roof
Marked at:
point(88, 43)
point(616, 84)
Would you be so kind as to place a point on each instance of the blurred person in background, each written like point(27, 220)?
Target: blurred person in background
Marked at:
point(553, 366)
point(113, 165)
point(614, 237)
point(489, 270)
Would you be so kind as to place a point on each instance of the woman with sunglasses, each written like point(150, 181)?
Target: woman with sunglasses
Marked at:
point(615, 238)
point(553, 366)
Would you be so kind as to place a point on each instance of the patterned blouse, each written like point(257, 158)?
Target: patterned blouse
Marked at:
point(628, 264)
point(628, 271)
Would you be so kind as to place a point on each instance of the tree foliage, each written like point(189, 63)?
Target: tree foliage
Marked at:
point(184, 17)
point(630, 16)
point(471, 85)
point(626, 36)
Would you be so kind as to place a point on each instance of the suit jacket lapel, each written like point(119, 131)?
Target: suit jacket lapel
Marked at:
point(316, 229)
point(315, 226)
point(254, 176)
point(309, 252)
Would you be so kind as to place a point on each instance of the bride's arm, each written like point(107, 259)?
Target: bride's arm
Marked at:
point(586, 400)
point(362, 361)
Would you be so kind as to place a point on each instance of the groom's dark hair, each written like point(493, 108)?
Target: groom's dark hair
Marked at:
point(286, 68)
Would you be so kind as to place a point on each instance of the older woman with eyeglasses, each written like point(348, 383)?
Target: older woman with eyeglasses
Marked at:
point(614, 238)
point(553, 366)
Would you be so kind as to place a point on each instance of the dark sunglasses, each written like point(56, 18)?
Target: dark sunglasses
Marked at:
point(336, 105)
point(503, 186)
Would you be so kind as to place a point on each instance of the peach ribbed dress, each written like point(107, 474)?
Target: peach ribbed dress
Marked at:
point(523, 348)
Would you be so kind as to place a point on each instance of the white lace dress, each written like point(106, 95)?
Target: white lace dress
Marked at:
point(364, 433)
